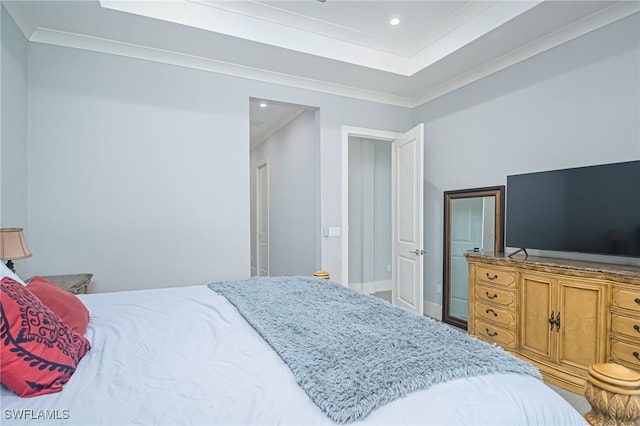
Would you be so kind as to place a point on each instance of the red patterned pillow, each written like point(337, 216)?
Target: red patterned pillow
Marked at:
point(67, 306)
point(39, 353)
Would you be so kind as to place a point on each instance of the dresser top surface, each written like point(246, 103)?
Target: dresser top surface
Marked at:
point(631, 271)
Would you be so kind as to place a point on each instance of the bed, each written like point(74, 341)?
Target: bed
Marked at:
point(189, 355)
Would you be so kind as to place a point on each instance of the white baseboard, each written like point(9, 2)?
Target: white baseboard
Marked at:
point(383, 285)
point(356, 287)
point(368, 288)
point(432, 310)
point(376, 286)
point(371, 287)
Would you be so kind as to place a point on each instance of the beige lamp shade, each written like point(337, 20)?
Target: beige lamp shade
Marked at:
point(12, 244)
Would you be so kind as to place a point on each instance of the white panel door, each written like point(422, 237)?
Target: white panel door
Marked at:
point(263, 220)
point(407, 173)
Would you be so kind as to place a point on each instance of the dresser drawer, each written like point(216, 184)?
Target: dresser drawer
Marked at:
point(493, 334)
point(625, 325)
point(495, 276)
point(626, 352)
point(502, 316)
point(627, 299)
point(505, 297)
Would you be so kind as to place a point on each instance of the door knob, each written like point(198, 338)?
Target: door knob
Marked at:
point(417, 251)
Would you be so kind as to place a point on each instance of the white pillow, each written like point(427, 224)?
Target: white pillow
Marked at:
point(6, 272)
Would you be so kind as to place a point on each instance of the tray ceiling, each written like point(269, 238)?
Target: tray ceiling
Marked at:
point(337, 46)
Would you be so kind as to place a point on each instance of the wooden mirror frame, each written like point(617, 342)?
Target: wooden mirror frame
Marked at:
point(494, 191)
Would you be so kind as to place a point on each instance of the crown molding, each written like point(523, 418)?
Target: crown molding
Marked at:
point(21, 17)
point(475, 26)
point(432, 35)
point(276, 27)
point(269, 12)
point(590, 23)
point(224, 21)
point(270, 25)
point(77, 41)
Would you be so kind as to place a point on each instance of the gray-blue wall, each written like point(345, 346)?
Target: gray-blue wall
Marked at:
point(139, 171)
point(13, 125)
point(577, 104)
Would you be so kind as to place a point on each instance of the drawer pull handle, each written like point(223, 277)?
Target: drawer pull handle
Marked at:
point(492, 277)
point(491, 311)
point(637, 328)
point(490, 296)
point(637, 355)
point(495, 333)
point(637, 300)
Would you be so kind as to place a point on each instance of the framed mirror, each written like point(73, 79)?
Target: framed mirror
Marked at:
point(473, 221)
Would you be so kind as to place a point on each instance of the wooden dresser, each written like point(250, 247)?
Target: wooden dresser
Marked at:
point(561, 315)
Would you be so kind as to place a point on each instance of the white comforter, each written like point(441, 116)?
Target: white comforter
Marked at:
point(186, 356)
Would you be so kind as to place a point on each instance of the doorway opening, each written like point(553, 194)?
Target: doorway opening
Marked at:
point(406, 205)
point(284, 188)
point(369, 234)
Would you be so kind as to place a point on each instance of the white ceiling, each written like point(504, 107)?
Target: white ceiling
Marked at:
point(337, 46)
point(265, 121)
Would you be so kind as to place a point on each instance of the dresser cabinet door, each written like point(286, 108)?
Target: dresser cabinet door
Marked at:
point(536, 294)
point(581, 335)
point(561, 318)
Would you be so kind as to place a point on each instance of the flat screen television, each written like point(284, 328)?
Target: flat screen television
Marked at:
point(594, 209)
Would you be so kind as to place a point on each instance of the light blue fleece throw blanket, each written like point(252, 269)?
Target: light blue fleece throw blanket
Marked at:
point(351, 352)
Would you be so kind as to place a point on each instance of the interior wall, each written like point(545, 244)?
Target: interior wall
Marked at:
point(121, 151)
point(294, 184)
point(139, 172)
point(13, 130)
point(575, 105)
point(369, 214)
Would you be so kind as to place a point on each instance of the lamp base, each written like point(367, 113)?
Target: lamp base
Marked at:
point(10, 266)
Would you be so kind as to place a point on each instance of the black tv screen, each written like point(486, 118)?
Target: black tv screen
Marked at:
point(594, 209)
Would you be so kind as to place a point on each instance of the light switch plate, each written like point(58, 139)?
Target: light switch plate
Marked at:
point(334, 231)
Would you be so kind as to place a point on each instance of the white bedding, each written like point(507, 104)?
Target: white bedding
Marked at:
point(185, 356)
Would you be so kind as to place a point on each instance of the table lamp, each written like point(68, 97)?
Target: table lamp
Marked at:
point(13, 246)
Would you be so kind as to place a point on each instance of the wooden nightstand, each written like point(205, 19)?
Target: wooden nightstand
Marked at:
point(73, 283)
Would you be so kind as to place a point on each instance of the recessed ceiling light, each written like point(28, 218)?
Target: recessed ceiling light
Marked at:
point(263, 104)
point(394, 21)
